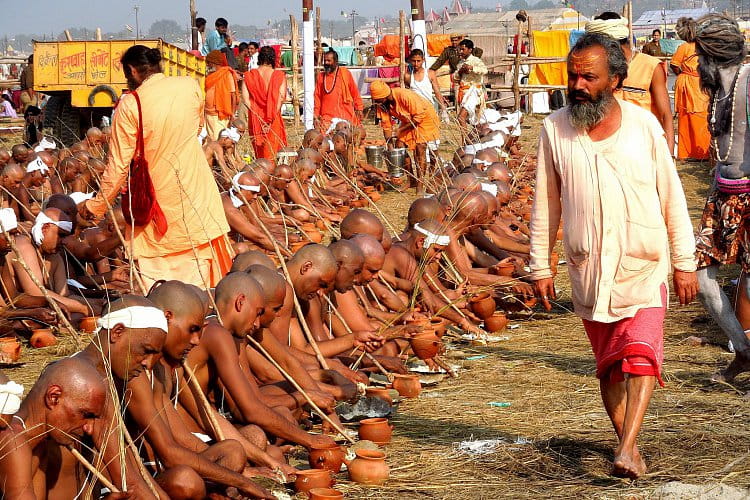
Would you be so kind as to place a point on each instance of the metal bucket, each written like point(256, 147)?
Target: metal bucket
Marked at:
point(375, 155)
point(394, 158)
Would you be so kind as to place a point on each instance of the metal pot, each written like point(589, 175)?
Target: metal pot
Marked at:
point(395, 158)
point(375, 155)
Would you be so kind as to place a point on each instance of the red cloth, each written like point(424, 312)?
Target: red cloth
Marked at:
point(265, 102)
point(632, 345)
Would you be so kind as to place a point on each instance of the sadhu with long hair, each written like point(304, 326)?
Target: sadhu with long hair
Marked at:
point(263, 94)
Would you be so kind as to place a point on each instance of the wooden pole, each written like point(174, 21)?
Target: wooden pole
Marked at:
point(319, 40)
point(295, 63)
point(68, 36)
point(630, 22)
point(99, 34)
point(530, 34)
point(517, 70)
point(193, 27)
point(201, 399)
point(401, 49)
point(94, 470)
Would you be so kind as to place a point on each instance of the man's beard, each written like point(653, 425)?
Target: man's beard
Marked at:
point(329, 68)
point(133, 83)
point(585, 114)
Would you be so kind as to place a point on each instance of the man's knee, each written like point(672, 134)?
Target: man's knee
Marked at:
point(182, 483)
point(255, 435)
point(228, 453)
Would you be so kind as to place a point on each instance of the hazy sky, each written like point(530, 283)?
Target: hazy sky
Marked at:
point(53, 16)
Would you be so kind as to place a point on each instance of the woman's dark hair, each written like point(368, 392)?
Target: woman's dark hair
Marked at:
point(267, 56)
point(618, 65)
point(416, 53)
point(145, 60)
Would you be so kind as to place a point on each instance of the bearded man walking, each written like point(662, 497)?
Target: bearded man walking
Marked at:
point(623, 209)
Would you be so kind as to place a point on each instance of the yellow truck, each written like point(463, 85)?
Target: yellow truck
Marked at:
point(84, 80)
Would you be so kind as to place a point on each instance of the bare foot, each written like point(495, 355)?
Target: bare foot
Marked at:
point(630, 465)
point(739, 364)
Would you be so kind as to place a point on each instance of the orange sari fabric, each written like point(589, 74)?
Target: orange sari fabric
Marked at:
point(265, 113)
point(223, 80)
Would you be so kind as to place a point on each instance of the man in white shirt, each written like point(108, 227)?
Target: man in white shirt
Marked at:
point(470, 80)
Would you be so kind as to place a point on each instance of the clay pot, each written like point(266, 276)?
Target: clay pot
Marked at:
point(329, 458)
point(313, 478)
point(530, 302)
point(377, 430)
point(10, 349)
point(308, 226)
point(361, 203)
point(42, 337)
point(496, 323)
point(294, 247)
point(407, 386)
point(88, 324)
point(439, 326)
point(369, 189)
point(379, 392)
point(505, 269)
point(374, 196)
point(343, 210)
point(325, 494)
point(425, 345)
point(369, 468)
point(315, 236)
point(482, 305)
point(320, 224)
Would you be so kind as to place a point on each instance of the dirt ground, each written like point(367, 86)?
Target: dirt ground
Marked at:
point(555, 439)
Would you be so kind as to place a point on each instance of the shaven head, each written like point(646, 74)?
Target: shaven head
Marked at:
point(20, 153)
point(374, 256)
point(489, 154)
point(240, 303)
point(273, 288)
point(312, 270)
point(499, 172)
point(313, 139)
point(471, 209)
point(310, 154)
point(422, 209)
point(493, 206)
point(263, 164)
point(418, 239)
point(12, 176)
point(94, 136)
point(4, 157)
point(503, 193)
point(185, 311)
point(244, 260)
point(304, 168)
point(466, 182)
point(350, 260)
point(64, 203)
point(361, 221)
point(72, 393)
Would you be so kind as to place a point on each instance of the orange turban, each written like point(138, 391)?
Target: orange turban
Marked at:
point(379, 90)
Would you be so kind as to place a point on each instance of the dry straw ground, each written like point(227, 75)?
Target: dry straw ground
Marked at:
point(695, 430)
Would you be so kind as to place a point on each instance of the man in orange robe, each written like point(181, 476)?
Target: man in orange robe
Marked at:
point(420, 125)
point(336, 95)
point(221, 93)
point(194, 248)
point(264, 93)
point(690, 102)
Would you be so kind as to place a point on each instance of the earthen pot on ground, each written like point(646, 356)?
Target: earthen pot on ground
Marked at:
point(369, 468)
point(407, 386)
point(377, 430)
point(294, 247)
point(320, 224)
point(315, 236)
point(483, 305)
point(369, 189)
point(42, 337)
point(505, 269)
point(379, 392)
point(439, 326)
point(343, 210)
point(325, 494)
point(88, 324)
point(10, 349)
point(329, 458)
point(374, 196)
point(313, 478)
point(496, 323)
point(425, 345)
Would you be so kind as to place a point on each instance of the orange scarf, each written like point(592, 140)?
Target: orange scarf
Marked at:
point(223, 91)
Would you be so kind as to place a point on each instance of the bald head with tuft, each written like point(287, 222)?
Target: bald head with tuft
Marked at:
point(254, 257)
point(422, 209)
point(361, 221)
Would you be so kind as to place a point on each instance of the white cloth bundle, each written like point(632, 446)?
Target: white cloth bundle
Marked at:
point(489, 187)
point(432, 238)
point(44, 145)
point(10, 397)
point(37, 165)
point(79, 197)
point(134, 317)
point(41, 220)
point(8, 220)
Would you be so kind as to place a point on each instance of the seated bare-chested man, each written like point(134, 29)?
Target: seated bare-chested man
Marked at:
point(35, 186)
point(61, 407)
point(20, 154)
point(4, 157)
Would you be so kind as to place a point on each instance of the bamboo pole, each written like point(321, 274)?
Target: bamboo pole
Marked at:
point(193, 27)
point(295, 62)
point(401, 49)
point(530, 34)
point(203, 401)
point(517, 71)
point(99, 34)
point(106, 482)
point(291, 380)
point(630, 21)
point(68, 36)
point(318, 41)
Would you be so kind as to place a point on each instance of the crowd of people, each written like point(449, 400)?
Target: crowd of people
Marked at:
point(224, 326)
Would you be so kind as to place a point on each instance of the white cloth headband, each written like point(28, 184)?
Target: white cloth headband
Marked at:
point(45, 144)
point(10, 397)
point(490, 188)
point(8, 220)
point(41, 220)
point(78, 197)
point(432, 238)
point(230, 133)
point(486, 163)
point(135, 317)
point(37, 164)
point(244, 187)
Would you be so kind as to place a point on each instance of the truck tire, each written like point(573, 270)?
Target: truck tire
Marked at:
point(63, 120)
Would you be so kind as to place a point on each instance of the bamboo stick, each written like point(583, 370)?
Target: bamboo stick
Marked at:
point(517, 70)
point(295, 62)
point(106, 482)
point(203, 401)
point(401, 49)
